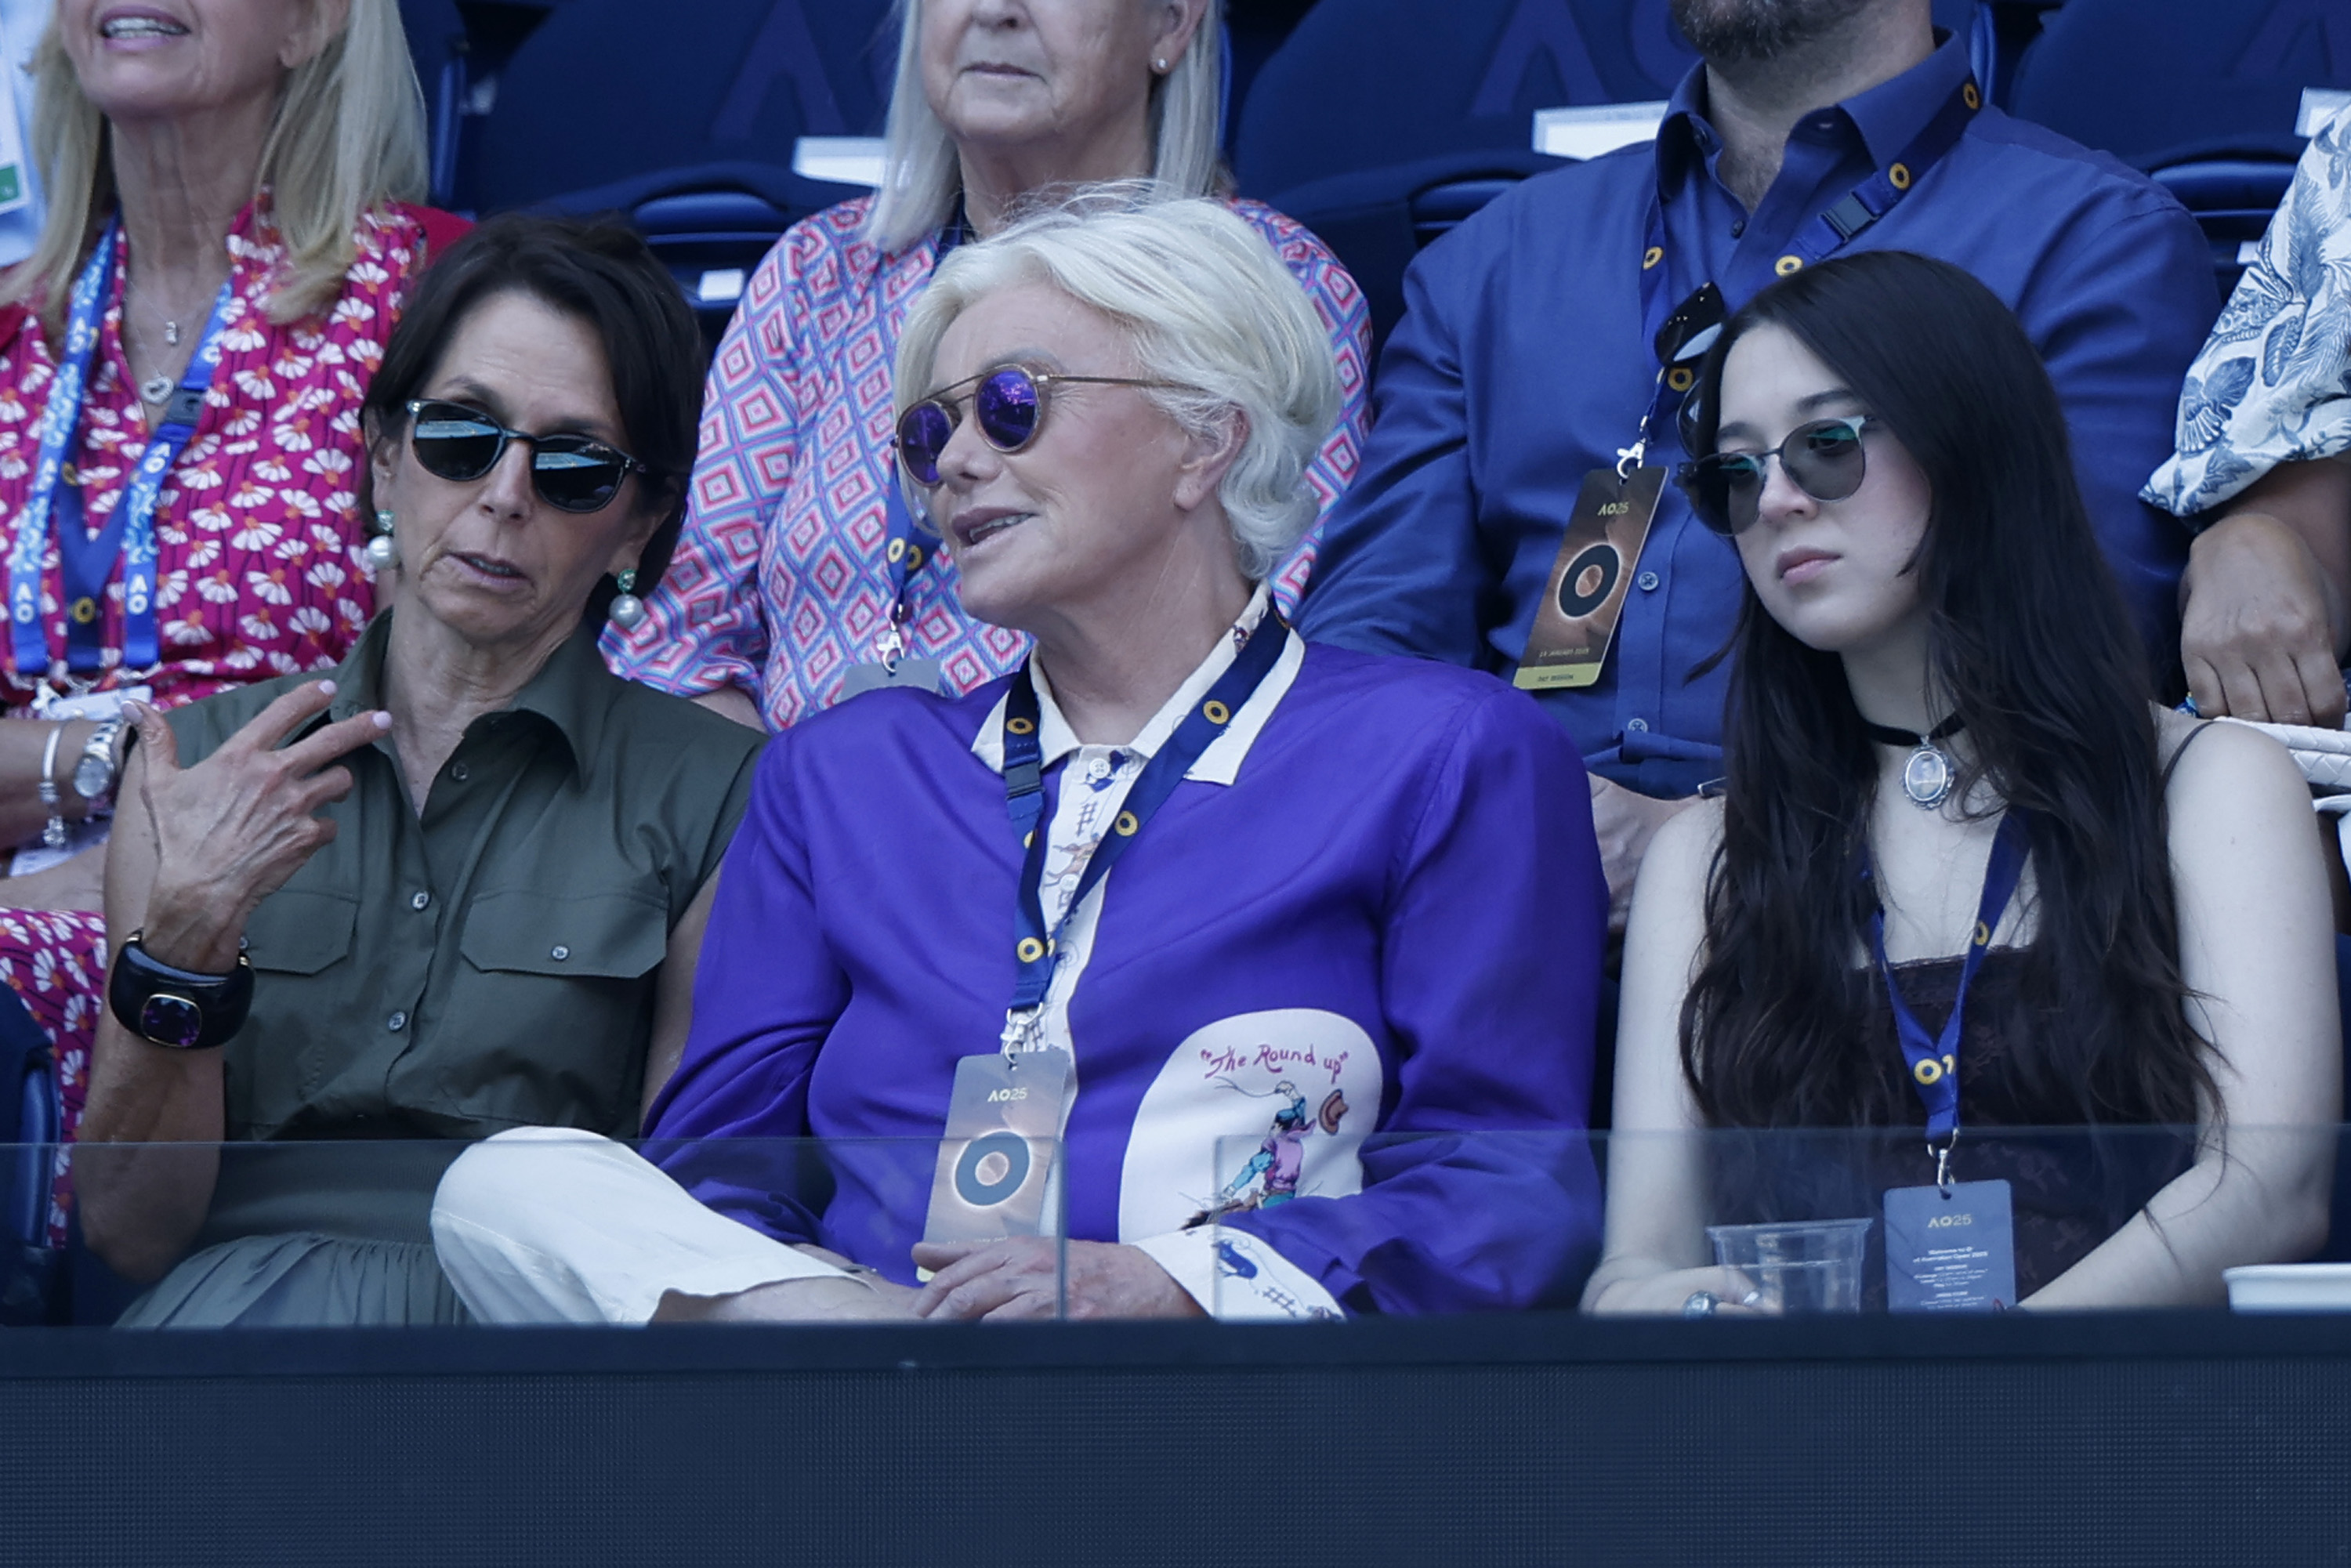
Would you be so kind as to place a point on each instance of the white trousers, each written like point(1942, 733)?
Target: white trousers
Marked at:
point(553, 1225)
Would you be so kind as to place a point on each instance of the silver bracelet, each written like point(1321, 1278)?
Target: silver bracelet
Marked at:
point(54, 834)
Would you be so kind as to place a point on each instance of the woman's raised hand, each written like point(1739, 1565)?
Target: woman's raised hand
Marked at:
point(229, 831)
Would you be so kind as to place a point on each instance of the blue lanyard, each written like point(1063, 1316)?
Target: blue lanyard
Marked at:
point(905, 555)
point(1024, 796)
point(87, 562)
point(1933, 1062)
point(133, 523)
point(1827, 231)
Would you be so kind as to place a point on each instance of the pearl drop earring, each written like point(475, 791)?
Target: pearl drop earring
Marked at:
point(627, 611)
point(382, 550)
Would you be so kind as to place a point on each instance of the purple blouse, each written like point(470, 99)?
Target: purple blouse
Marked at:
point(1384, 917)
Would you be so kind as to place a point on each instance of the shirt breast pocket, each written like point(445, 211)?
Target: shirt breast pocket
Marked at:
point(607, 936)
point(559, 991)
point(298, 1036)
point(301, 931)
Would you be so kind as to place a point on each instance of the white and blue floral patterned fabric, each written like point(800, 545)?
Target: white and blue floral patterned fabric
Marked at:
point(2274, 383)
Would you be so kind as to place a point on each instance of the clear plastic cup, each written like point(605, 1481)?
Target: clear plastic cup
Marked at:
point(1812, 1266)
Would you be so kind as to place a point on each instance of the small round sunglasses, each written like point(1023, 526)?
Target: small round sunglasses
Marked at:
point(1823, 459)
point(1007, 404)
point(572, 473)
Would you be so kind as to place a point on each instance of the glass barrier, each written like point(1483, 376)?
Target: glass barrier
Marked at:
point(1302, 1221)
point(542, 1225)
point(1742, 1223)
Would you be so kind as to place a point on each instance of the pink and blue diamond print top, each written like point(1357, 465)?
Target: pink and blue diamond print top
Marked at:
point(780, 582)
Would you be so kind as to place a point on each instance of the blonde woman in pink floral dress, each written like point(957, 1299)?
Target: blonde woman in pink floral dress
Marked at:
point(181, 365)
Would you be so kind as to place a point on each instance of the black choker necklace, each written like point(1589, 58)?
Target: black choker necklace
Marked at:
point(1927, 777)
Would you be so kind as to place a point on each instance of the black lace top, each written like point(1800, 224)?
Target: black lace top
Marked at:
point(2071, 1187)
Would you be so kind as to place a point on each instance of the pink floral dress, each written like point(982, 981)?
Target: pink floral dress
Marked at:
point(258, 532)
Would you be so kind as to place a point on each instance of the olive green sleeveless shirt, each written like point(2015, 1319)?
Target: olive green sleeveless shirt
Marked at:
point(491, 963)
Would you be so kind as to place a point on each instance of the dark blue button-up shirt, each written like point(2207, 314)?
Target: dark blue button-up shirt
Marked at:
point(1521, 364)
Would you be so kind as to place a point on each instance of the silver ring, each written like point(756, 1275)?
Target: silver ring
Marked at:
point(1700, 1304)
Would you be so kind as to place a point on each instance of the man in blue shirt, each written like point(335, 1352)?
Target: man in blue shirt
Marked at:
point(1524, 360)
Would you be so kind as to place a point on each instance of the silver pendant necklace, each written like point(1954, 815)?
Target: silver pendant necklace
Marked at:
point(1928, 773)
point(156, 389)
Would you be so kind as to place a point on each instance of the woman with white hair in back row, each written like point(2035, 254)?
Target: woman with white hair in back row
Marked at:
point(800, 577)
point(1154, 956)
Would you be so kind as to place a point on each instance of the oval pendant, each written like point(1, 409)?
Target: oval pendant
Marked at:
point(1927, 777)
point(156, 389)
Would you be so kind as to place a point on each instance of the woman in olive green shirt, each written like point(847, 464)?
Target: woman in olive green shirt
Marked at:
point(470, 871)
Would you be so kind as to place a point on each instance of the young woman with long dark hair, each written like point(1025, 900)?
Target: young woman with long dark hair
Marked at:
point(1936, 696)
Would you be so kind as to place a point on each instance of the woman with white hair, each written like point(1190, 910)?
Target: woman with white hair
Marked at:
point(1356, 898)
point(229, 237)
point(800, 577)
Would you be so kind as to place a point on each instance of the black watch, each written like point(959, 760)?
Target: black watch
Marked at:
point(177, 1008)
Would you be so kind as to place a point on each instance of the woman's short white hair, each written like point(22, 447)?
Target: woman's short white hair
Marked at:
point(1205, 303)
point(922, 178)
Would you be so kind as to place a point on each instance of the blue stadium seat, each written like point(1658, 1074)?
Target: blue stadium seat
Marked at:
point(2158, 82)
point(685, 120)
point(2233, 200)
point(2203, 94)
point(710, 223)
point(1367, 84)
point(437, 43)
point(607, 89)
point(1376, 220)
point(31, 1126)
point(1380, 125)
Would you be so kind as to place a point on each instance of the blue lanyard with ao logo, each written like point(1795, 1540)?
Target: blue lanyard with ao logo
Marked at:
point(1024, 797)
point(1934, 1059)
point(133, 522)
point(906, 554)
point(1699, 319)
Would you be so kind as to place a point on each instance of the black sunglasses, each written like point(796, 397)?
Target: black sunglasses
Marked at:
point(1823, 459)
point(1008, 405)
point(572, 473)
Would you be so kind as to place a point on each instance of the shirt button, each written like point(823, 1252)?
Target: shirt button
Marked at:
point(560, 953)
point(1639, 726)
point(457, 770)
point(1738, 228)
point(396, 1022)
point(1648, 579)
point(420, 901)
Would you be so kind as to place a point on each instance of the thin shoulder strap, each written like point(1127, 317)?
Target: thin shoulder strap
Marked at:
point(2181, 750)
